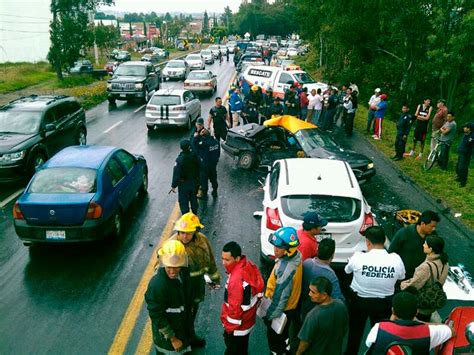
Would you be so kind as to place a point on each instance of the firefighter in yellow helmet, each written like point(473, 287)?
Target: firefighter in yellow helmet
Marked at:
point(169, 300)
point(252, 103)
point(200, 259)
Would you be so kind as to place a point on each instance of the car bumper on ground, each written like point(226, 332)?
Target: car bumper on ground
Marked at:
point(90, 230)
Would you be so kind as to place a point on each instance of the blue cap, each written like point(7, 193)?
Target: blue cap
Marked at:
point(313, 220)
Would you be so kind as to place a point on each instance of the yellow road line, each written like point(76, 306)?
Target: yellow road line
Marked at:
point(146, 340)
point(129, 320)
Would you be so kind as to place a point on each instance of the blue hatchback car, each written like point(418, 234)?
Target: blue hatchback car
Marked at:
point(80, 194)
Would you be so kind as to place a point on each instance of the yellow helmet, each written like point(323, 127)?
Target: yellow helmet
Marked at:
point(173, 254)
point(254, 87)
point(188, 222)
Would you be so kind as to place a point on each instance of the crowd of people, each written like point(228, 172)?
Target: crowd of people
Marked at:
point(302, 303)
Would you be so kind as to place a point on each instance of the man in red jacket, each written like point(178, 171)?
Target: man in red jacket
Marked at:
point(243, 291)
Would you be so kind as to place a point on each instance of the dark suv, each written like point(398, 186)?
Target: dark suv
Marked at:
point(133, 80)
point(33, 128)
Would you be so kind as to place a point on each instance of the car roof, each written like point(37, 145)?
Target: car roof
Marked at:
point(290, 123)
point(135, 62)
point(176, 61)
point(303, 176)
point(200, 71)
point(36, 102)
point(80, 156)
point(167, 92)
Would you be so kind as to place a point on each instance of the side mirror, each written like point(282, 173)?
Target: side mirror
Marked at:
point(49, 127)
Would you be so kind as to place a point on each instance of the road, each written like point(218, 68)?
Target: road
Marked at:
point(88, 299)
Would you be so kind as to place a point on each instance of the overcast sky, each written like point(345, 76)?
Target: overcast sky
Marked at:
point(162, 6)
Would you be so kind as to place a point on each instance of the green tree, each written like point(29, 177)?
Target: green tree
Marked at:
point(219, 32)
point(106, 38)
point(205, 24)
point(70, 32)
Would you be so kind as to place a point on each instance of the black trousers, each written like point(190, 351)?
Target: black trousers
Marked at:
point(400, 145)
point(462, 167)
point(280, 343)
point(208, 173)
point(444, 156)
point(220, 133)
point(187, 196)
point(236, 345)
point(349, 127)
point(375, 309)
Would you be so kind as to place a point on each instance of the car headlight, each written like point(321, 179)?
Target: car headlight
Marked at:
point(139, 86)
point(11, 157)
point(370, 166)
point(109, 85)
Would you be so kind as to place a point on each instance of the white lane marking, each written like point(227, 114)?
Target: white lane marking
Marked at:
point(11, 197)
point(138, 109)
point(113, 126)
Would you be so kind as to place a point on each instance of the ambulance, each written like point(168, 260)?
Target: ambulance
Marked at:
point(278, 79)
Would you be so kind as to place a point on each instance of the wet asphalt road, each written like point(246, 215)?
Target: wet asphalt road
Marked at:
point(73, 298)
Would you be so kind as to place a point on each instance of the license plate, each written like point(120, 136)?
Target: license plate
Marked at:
point(322, 236)
point(55, 235)
point(123, 95)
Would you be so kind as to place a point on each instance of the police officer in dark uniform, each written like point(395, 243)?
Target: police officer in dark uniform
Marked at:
point(196, 137)
point(465, 153)
point(267, 101)
point(252, 103)
point(292, 101)
point(276, 108)
point(219, 117)
point(209, 152)
point(403, 129)
point(186, 177)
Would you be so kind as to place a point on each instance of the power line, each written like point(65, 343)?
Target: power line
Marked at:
point(32, 32)
point(33, 17)
point(25, 22)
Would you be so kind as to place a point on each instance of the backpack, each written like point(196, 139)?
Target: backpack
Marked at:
point(432, 295)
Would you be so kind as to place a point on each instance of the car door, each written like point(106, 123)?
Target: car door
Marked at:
point(116, 199)
point(50, 133)
point(284, 82)
point(152, 77)
point(65, 124)
point(133, 175)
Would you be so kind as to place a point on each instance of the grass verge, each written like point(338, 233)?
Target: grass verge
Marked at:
point(439, 184)
point(16, 76)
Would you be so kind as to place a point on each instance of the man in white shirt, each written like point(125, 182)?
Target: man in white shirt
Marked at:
point(373, 285)
point(403, 328)
point(373, 102)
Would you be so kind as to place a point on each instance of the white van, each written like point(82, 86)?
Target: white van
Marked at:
point(278, 79)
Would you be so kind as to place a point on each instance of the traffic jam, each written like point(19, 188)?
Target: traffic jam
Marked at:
point(203, 209)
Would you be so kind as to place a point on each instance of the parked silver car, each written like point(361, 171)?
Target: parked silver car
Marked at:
point(172, 107)
point(195, 61)
point(201, 81)
point(207, 56)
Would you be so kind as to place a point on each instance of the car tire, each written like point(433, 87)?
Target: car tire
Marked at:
point(81, 138)
point(37, 160)
point(246, 160)
point(111, 100)
point(144, 186)
point(117, 224)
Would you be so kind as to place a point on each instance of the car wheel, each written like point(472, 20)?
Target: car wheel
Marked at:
point(246, 160)
point(111, 100)
point(36, 162)
point(117, 224)
point(144, 186)
point(81, 137)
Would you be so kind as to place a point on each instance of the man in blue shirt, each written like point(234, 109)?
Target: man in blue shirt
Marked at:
point(379, 116)
point(465, 153)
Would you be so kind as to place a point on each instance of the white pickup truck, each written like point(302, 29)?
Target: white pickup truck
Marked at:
point(278, 79)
